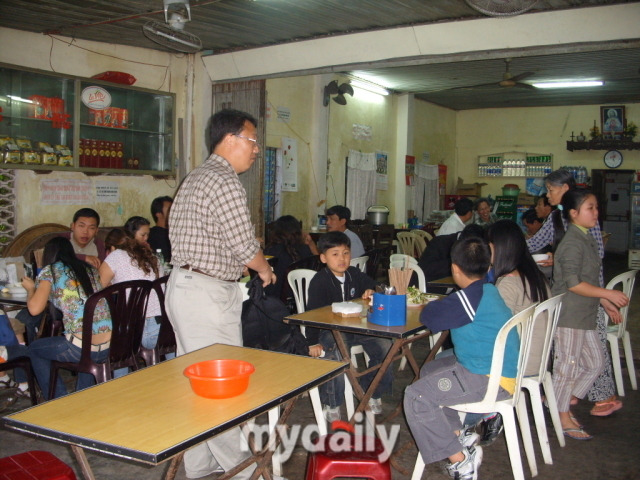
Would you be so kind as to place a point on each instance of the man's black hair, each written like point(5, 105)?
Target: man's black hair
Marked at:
point(331, 240)
point(531, 216)
point(340, 211)
point(157, 204)
point(463, 206)
point(472, 255)
point(227, 122)
point(87, 213)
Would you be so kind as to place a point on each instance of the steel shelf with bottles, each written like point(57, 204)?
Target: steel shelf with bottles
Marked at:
point(59, 122)
point(515, 164)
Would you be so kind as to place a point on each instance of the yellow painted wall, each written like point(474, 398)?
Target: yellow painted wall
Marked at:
point(435, 130)
point(374, 111)
point(293, 93)
point(538, 130)
point(153, 69)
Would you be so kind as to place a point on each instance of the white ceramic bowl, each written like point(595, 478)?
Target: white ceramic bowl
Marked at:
point(540, 257)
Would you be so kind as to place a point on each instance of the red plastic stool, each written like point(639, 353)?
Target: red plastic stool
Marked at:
point(353, 458)
point(34, 465)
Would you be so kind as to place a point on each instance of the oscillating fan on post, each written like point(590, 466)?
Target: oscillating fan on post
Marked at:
point(171, 34)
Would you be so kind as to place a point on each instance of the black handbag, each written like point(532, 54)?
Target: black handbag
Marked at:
point(263, 326)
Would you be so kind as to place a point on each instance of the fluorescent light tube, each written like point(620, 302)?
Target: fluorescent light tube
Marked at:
point(576, 84)
point(369, 87)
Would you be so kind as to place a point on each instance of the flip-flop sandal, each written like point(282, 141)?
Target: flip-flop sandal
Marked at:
point(612, 406)
point(575, 420)
point(570, 432)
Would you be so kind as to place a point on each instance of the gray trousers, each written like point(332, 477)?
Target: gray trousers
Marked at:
point(443, 382)
point(204, 311)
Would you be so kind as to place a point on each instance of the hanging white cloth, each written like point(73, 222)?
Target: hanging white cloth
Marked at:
point(425, 191)
point(361, 183)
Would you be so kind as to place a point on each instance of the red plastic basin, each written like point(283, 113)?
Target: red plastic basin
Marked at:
point(222, 378)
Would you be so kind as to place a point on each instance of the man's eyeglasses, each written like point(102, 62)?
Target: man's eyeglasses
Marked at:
point(255, 142)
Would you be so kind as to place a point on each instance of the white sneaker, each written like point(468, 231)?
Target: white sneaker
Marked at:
point(468, 438)
point(467, 469)
point(375, 405)
point(331, 414)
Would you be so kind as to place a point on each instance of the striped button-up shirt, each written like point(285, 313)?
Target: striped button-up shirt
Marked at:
point(209, 225)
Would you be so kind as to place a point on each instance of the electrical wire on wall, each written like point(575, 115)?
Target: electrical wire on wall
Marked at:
point(308, 145)
point(73, 44)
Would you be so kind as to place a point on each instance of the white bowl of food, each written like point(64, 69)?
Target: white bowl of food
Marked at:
point(540, 257)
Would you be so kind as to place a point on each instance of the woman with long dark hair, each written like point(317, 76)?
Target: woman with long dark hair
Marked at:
point(66, 282)
point(288, 244)
point(518, 278)
point(129, 260)
point(139, 228)
point(603, 392)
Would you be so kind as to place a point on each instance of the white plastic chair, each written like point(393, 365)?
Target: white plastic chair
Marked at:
point(299, 282)
point(618, 332)
point(407, 243)
point(360, 262)
point(420, 245)
point(399, 263)
point(425, 235)
point(399, 258)
point(506, 407)
point(548, 312)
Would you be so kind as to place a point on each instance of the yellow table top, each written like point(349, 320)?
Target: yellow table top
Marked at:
point(443, 282)
point(152, 414)
point(325, 318)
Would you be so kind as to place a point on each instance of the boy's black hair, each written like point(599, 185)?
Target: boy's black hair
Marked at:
point(87, 213)
point(463, 206)
point(331, 240)
point(340, 211)
point(472, 255)
point(157, 204)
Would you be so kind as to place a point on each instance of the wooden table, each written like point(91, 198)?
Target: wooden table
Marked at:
point(445, 282)
point(13, 300)
point(152, 415)
point(401, 336)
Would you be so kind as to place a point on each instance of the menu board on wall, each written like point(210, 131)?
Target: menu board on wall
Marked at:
point(66, 192)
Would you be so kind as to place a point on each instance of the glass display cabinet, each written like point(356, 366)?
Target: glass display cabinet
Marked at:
point(56, 122)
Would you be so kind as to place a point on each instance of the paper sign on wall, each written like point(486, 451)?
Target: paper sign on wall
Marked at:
point(107, 192)
point(382, 170)
point(289, 164)
point(66, 192)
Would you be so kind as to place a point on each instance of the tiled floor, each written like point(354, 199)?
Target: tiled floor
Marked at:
point(610, 455)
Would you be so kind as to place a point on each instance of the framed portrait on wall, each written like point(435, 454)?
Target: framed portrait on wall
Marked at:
point(612, 121)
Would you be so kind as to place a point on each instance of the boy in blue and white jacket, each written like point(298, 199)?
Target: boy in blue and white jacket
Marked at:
point(474, 315)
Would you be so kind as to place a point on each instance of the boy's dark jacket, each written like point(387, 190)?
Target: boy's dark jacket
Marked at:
point(325, 289)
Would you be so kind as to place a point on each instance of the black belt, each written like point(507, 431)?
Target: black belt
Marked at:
point(197, 270)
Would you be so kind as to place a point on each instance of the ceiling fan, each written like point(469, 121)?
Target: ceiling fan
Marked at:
point(171, 34)
point(508, 80)
point(339, 91)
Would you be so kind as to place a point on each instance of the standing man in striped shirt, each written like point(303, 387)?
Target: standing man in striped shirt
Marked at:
point(212, 241)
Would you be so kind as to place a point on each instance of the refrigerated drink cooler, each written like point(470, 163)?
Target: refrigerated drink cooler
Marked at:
point(634, 220)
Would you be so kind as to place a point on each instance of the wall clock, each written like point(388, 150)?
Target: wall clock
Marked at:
point(613, 159)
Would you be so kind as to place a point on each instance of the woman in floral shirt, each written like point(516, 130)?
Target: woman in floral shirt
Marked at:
point(66, 282)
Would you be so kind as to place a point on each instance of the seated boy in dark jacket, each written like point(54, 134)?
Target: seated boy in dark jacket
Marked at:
point(339, 282)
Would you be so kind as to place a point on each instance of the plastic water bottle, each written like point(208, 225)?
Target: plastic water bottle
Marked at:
point(160, 257)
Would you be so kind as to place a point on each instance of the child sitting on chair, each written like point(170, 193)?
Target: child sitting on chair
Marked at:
point(474, 314)
point(339, 282)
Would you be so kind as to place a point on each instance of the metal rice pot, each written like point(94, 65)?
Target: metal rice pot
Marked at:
point(378, 215)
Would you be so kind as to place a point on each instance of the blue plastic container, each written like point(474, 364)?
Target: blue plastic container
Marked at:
point(389, 310)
